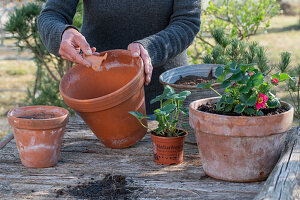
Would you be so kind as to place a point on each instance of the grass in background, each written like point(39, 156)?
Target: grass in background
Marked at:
point(15, 77)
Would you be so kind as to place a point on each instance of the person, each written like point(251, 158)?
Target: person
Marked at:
point(159, 31)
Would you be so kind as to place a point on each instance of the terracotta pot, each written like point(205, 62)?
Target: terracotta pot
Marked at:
point(168, 150)
point(38, 131)
point(202, 70)
point(239, 148)
point(104, 98)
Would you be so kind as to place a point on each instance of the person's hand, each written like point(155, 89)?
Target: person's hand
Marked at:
point(138, 50)
point(72, 41)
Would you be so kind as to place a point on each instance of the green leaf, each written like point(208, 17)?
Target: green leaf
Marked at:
point(159, 112)
point(244, 67)
point(184, 111)
point(273, 102)
point(138, 115)
point(205, 85)
point(221, 78)
point(225, 84)
point(228, 107)
point(168, 108)
point(169, 101)
point(256, 79)
point(284, 76)
point(229, 100)
point(220, 105)
point(237, 77)
point(219, 71)
point(184, 93)
point(249, 111)
point(277, 76)
point(252, 100)
point(244, 89)
point(259, 113)
point(168, 91)
point(239, 108)
point(235, 71)
point(244, 97)
point(156, 99)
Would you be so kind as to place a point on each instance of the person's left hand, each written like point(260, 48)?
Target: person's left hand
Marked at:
point(138, 50)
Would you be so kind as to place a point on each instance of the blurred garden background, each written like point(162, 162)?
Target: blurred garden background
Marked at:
point(268, 28)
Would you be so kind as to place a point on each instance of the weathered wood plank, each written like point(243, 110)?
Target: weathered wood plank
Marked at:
point(6, 139)
point(284, 181)
point(84, 158)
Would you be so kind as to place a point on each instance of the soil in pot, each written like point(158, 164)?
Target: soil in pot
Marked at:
point(211, 108)
point(168, 150)
point(41, 115)
point(192, 80)
point(38, 131)
point(239, 148)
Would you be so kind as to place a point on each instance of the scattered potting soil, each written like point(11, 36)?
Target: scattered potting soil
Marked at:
point(111, 187)
point(211, 108)
point(41, 115)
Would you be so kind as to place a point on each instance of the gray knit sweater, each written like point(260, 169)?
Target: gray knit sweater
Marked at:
point(164, 27)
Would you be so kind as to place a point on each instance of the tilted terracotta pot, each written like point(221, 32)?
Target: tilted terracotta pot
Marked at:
point(239, 148)
point(104, 98)
point(168, 150)
point(38, 131)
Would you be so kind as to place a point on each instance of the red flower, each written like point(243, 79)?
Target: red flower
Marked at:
point(275, 81)
point(251, 73)
point(261, 101)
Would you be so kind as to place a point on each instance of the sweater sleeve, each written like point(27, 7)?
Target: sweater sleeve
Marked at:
point(178, 35)
point(53, 20)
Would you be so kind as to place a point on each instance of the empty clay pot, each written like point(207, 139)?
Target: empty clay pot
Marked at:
point(103, 98)
point(239, 148)
point(38, 131)
point(168, 150)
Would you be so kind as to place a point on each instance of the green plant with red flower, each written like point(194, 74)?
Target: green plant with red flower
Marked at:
point(247, 90)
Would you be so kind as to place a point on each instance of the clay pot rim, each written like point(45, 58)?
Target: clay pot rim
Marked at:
point(168, 138)
point(193, 109)
point(35, 124)
point(188, 87)
point(130, 86)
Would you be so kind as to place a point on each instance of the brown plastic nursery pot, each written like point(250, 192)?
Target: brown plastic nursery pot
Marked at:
point(38, 131)
point(168, 150)
point(104, 98)
point(239, 148)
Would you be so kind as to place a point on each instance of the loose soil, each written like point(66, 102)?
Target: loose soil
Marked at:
point(111, 187)
point(41, 115)
point(211, 108)
point(195, 80)
point(178, 133)
point(192, 80)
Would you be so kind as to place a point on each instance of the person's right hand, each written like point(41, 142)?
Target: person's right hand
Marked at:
point(72, 41)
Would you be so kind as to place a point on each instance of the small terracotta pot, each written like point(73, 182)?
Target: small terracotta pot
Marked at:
point(168, 150)
point(239, 148)
point(38, 131)
point(104, 98)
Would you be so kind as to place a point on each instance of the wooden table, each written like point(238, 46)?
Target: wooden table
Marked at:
point(83, 158)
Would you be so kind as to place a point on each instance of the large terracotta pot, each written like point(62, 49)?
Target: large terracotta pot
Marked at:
point(104, 98)
point(38, 131)
point(168, 150)
point(239, 148)
point(202, 70)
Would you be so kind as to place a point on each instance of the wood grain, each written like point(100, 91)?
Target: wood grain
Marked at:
point(83, 158)
point(284, 181)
